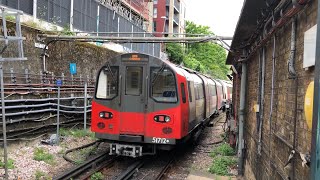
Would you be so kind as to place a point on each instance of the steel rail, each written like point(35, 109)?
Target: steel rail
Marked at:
point(77, 171)
point(106, 164)
point(130, 170)
point(165, 169)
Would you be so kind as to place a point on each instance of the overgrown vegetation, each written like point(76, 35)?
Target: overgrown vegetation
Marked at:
point(41, 175)
point(67, 31)
point(10, 18)
point(97, 176)
point(221, 165)
point(10, 164)
point(76, 133)
point(40, 154)
point(223, 160)
point(223, 150)
point(31, 23)
point(208, 58)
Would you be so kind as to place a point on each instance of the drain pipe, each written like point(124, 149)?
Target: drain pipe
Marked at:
point(263, 64)
point(292, 71)
point(293, 75)
point(241, 117)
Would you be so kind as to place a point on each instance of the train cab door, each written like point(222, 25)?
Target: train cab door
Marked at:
point(133, 98)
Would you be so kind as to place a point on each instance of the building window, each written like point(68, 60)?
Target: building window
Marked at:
point(155, 12)
point(155, 1)
point(154, 26)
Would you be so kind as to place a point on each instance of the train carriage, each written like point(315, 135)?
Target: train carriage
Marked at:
point(143, 103)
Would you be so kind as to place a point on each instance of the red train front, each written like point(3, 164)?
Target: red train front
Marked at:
point(143, 103)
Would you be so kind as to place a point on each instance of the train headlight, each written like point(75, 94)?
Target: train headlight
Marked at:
point(105, 115)
point(167, 119)
point(162, 118)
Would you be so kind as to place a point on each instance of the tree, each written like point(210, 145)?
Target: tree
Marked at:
point(210, 55)
point(175, 52)
point(208, 58)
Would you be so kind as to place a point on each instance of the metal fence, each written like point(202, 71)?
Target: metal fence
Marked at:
point(88, 15)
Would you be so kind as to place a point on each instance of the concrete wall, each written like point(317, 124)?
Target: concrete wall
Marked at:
point(277, 142)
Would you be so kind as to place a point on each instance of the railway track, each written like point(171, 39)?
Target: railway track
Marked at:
point(135, 169)
point(127, 174)
point(89, 167)
point(165, 168)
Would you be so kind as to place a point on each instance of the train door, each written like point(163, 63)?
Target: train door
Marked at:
point(133, 98)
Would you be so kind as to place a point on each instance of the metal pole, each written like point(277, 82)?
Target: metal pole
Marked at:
point(34, 10)
point(241, 116)
point(4, 125)
point(71, 14)
point(315, 143)
point(58, 116)
point(85, 105)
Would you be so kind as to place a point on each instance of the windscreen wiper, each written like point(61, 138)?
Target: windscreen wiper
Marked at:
point(157, 74)
point(111, 73)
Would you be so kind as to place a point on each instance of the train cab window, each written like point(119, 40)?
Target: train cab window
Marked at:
point(183, 93)
point(163, 85)
point(107, 83)
point(134, 80)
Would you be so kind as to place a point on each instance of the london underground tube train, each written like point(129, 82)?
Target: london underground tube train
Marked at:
point(143, 103)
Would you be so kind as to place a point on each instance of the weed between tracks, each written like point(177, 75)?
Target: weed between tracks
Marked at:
point(41, 175)
point(10, 164)
point(97, 176)
point(40, 154)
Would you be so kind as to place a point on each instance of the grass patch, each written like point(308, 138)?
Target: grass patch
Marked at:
point(76, 133)
point(41, 175)
point(221, 165)
point(97, 176)
point(10, 164)
point(78, 161)
point(10, 18)
point(223, 150)
point(31, 23)
point(41, 155)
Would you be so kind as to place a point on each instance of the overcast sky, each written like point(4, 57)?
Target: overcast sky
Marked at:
point(220, 15)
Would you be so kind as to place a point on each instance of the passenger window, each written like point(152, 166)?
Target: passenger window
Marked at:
point(134, 81)
point(163, 85)
point(214, 93)
point(107, 83)
point(183, 93)
point(189, 91)
point(201, 95)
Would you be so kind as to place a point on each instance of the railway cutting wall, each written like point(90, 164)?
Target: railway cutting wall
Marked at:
point(30, 92)
point(278, 122)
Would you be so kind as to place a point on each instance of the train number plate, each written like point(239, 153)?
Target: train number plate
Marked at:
point(160, 140)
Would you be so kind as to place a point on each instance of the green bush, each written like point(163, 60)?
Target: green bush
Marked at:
point(41, 155)
point(97, 176)
point(221, 164)
point(223, 150)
